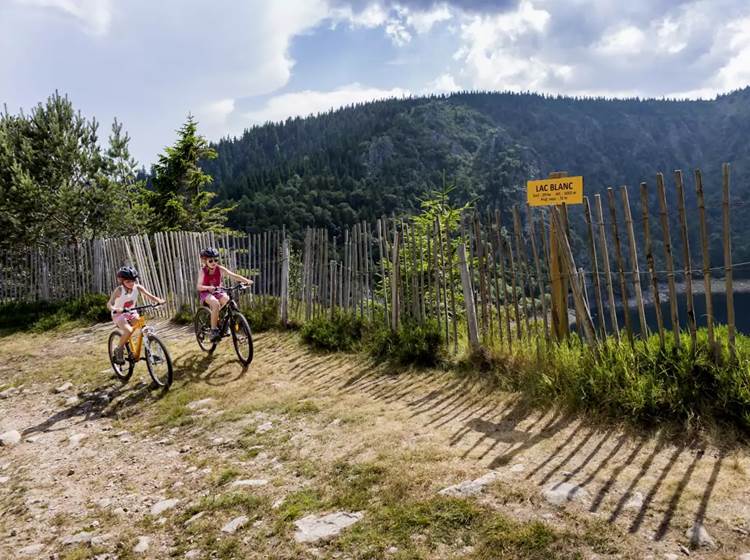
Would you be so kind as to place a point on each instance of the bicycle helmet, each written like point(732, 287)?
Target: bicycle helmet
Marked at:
point(127, 273)
point(210, 253)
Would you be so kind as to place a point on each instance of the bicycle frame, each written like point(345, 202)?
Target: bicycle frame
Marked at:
point(140, 326)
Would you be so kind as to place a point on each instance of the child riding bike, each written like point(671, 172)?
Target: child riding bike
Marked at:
point(124, 297)
point(209, 286)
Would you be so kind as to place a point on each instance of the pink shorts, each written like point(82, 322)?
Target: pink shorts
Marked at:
point(127, 317)
point(218, 293)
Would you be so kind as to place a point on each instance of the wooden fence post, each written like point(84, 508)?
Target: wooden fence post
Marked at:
point(728, 259)
point(285, 283)
point(668, 257)
point(706, 259)
point(471, 314)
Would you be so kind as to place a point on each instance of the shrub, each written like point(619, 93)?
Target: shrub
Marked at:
point(343, 331)
point(412, 344)
point(41, 316)
point(263, 314)
point(184, 315)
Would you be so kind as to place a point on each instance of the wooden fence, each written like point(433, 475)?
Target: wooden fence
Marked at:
point(483, 278)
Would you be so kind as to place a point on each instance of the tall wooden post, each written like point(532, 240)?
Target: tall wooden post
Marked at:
point(558, 281)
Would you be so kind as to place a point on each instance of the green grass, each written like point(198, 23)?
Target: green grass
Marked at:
point(340, 332)
point(644, 384)
point(184, 315)
point(263, 314)
point(41, 316)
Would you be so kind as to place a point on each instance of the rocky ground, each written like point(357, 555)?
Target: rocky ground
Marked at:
point(304, 455)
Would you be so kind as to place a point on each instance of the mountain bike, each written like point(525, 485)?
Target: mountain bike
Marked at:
point(231, 321)
point(157, 358)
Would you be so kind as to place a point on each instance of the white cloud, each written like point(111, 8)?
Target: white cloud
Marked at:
point(214, 117)
point(627, 40)
point(398, 33)
point(310, 102)
point(399, 22)
point(423, 21)
point(95, 15)
point(498, 50)
point(445, 83)
point(157, 61)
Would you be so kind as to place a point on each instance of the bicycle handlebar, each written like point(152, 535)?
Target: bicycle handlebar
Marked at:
point(141, 308)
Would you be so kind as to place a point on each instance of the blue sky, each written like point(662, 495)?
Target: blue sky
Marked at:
point(235, 63)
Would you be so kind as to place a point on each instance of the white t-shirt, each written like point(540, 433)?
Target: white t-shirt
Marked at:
point(126, 300)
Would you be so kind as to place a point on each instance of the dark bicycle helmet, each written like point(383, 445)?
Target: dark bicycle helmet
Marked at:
point(127, 272)
point(210, 253)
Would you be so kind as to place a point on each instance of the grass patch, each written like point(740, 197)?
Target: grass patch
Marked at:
point(184, 315)
point(341, 332)
point(644, 385)
point(263, 314)
point(248, 504)
point(412, 344)
point(300, 503)
point(41, 316)
point(423, 528)
point(225, 475)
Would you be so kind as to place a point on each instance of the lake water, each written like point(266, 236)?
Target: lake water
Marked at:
point(719, 300)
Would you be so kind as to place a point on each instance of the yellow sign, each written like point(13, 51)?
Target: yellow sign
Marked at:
point(547, 192)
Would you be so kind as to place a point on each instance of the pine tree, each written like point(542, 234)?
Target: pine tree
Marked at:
point(179, 199)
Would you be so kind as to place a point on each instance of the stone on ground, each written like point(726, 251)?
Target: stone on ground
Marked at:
point(313, 528)
point(745, 556)
point(203, 403)
point(263, 428)
point(76, 439)
point(469, 487)
point(142, 545)
point(699, 537)
point(64, 387)
point(31, 550)
point(193, 554)
point(82, 537)
point(163, 505)
point(562, 492)
point(635, 501)
point(234, 524)
point(13, 437)
point(195, 518)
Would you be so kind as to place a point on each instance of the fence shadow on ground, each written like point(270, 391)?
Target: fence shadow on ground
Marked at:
point(647, 483)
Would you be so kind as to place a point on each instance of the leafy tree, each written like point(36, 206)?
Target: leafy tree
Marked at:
point(57, 185)
point(179, 199)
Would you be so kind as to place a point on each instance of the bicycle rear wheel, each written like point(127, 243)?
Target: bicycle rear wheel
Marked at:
point(122, 371)
point(202, 326)
point(242, 338)
point(158, 361)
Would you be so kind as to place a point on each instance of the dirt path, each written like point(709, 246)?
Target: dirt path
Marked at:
point(299, 434)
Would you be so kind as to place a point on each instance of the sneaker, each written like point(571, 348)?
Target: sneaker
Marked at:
point(117, 356)
point(215, 335)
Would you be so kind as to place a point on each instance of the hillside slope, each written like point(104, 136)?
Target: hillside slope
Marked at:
point(362, 161)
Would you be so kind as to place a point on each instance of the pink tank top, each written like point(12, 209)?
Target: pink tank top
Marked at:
point(210, 279)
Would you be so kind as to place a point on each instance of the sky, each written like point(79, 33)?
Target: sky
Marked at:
point(237, 63)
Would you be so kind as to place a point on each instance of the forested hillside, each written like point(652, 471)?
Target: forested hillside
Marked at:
point(362, 161)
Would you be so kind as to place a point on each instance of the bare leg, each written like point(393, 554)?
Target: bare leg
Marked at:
point(215, 307)
point(126, 331)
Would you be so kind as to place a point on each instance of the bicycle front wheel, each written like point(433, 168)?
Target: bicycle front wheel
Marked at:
point(158, 362)
point(242, 338)
point(202, 326)
point(122, 371)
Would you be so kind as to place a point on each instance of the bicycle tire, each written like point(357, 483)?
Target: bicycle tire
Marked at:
point(240, 325)
point(120, 370)
point(163, 381)
point(202, 327)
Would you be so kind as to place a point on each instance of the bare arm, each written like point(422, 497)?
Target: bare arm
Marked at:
point(150, 296)
point(234, 276)
point(111, 302)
